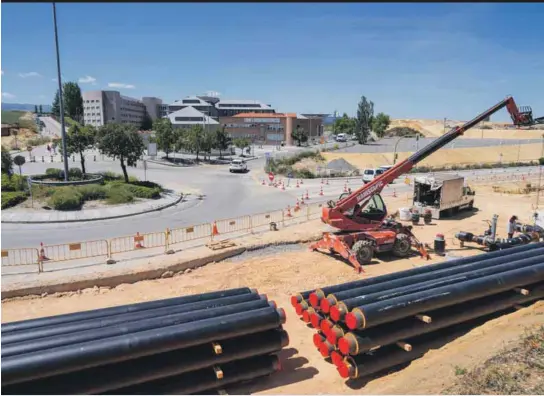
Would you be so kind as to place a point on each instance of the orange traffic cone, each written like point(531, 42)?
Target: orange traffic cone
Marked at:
point(394, 193)
point(321, 192)
point(301, 182)
point(289, 211)
point(283, 186)
point(307, 196)
point(298, 184)
point(138, 241)
point(263, 183)
point(302, 199)
point(297, 206)
point(327, 182)
point(345, 188)
point(322, 181)
point(214, 229)
point(42, 256)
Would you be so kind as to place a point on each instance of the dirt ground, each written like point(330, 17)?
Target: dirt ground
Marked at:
point(281, 275)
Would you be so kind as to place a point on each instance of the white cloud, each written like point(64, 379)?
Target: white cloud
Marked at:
point(87, 80)
point(7, 95)
point(121, 85)
point(29, 74)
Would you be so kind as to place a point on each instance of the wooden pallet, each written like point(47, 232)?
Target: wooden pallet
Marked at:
point(220, 244)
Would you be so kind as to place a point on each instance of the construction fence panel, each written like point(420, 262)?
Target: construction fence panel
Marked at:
point(76, 250)
point(295, 215)
point(138, 241)
point(315, 210)
point(191, 233)
point(261, 221)
point(239, 225)
point(20, 257)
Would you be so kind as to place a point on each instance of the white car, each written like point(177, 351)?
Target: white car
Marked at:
point(341, 137)
point(238, 165)
point(371, 174)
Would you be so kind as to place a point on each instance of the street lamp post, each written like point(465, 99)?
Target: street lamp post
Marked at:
point(395, 153)
point(540, 174)
point(62, 126)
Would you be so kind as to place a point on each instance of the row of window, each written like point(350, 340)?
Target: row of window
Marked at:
point(187, 119)
point(227, 105)
point(91, 114)
point(92, 101)
point(138, 110)
point(273, 127)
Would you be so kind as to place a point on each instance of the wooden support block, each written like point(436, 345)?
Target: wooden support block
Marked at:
point(521, 291)
point(403, 345)
point(218, 372)
point(218, 350)
point(424, 318)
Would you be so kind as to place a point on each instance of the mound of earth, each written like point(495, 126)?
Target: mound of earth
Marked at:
point(340, 164)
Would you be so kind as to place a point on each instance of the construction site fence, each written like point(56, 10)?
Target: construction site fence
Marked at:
point(107, 250)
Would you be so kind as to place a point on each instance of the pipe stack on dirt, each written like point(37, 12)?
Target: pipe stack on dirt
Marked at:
point(373, 324)
point(180, 345)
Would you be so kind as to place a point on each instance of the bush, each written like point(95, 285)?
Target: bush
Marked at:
point(148, 184)
point(10, 199)
point(139, 191)
point(13, 183)
point(66, 198)
point(118, 194)
point(55, 173)
point(91, 192)
point(111, 176)
point(75, 174)
point(38, 141)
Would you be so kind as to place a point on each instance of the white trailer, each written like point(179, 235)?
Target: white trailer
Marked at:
point(442, 194)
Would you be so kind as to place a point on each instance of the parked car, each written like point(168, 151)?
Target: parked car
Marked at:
point(371, 174)
point(238, 165)
point(341, 137)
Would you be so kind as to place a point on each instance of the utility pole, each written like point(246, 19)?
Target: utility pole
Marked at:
point(62, 126)
point(540, 174)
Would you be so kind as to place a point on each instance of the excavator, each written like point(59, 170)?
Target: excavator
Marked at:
point(364, 228)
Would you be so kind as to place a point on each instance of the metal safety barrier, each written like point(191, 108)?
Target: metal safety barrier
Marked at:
point(74, 251)
point(260, 220)
point(186, 234)
point(229, 226)
point(138, 241)
point(20, 257)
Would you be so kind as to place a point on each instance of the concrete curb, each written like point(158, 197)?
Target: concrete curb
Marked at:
point(99, 218)
point(74, 284)
point(191, 166)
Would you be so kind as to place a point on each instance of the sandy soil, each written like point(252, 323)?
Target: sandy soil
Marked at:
point(462, 156)
point(281, 275)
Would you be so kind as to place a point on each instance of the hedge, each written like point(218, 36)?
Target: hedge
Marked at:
point(118, 194)
point(13, 183)
point(10, 198)
point(66, 198)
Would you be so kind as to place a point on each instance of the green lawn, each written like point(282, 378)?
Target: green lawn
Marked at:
point(12, 116)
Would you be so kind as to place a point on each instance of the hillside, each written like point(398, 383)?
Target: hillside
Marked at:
point(24, 107)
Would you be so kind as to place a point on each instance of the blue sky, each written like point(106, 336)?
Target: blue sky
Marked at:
point(412, 60)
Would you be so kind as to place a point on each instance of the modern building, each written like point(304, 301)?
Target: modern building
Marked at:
point(270, 128)
point(102, 107)
point(152, 106)
point(189, 116)
point(195, 102)
point(230, 108)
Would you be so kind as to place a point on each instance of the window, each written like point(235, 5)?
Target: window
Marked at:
point(187, 119)
point(191, 101)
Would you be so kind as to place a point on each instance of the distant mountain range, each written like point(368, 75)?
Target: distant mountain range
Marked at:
point(24, 107)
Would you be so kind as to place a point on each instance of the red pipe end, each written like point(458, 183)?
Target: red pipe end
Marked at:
point(318, 339)
point(353, 320)
point(306, 316)
point(315, 298)
point(336, 313)
point(325, 326)
point(347, 345)
point(336, 358)
point(273, 304)
point(315, 319)
point(295, 300)
point(301, 307)
point(284, 339)
point(345, 369)
point(282, 315)
point(325, 349)
point(326, 304)
point(334, 334)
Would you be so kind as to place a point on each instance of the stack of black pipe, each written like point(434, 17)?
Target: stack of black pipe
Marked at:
point(181, 345)
point(372, 324)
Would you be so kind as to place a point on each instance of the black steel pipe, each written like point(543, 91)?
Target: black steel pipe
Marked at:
point(493, 264)
point(76, 357)
point(97, 323)
point(100, 313)
point(338, 312)
point(389, 310)
point(42, 344)
point(113, 376)
point(358, 342)
point(206, 379)
point(521, 239)
point(319, 294)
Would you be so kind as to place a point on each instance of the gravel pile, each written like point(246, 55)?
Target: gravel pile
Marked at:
point(340, 164)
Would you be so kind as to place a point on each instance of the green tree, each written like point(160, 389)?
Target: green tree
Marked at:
point(208, 142)
point(36, 109)
point(345, 124)
point(242, 143)
point(73, 101)
point(222, 140)
point(164, 133)
point(192, 139)
point(365, 115)
point(78, 140)
point(299, 135)
point(55, 107)
point(147, 122)
point(40, 109)
point(7, 162)
point(121, 142)
point(380, 123)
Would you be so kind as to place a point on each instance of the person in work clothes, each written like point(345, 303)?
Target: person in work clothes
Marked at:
point(511, 228)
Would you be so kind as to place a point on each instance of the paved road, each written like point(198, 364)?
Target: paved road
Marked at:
point(52, 127)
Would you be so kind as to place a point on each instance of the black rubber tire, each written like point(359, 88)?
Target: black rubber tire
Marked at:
point(402, 246)
point(364, 251)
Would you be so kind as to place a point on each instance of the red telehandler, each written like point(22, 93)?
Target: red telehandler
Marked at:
point(360, 217)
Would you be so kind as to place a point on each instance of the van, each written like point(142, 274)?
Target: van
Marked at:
point(371, 174)
point(341, 137)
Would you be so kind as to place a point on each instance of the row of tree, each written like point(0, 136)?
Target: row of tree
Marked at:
point(38, 109)
point(364, 123)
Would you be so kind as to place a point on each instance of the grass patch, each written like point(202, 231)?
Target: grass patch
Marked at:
point(118, 194)
point(38, 141)
point(12, 116)
point(284, 166)
point(519, 370)
point(12, 198)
